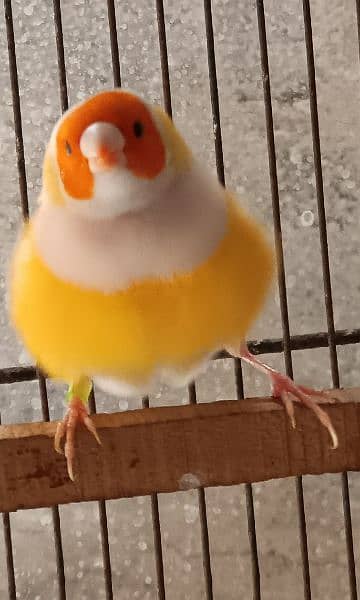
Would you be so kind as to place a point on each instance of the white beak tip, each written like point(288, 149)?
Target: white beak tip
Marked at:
point(99, 135)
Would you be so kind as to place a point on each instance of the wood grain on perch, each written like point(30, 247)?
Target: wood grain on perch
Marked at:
point(169, 449)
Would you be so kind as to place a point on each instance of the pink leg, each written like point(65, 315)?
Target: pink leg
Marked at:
point(287, 391)
point(76, 413)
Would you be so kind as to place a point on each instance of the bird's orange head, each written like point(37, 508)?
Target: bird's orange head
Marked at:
point(113, 154)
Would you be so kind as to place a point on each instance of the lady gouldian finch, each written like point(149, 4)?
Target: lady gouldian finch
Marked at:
point(137, 265)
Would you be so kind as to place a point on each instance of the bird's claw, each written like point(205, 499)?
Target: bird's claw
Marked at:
point(288, 392)
point(322, 396)
point(76, 413)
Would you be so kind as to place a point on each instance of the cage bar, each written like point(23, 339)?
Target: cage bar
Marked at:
point(42, 383)
point(307, 341)
point(104, 530)
point(164, 62)
point(10, 570)
point(60, 55)
point(64, 100)
point(214, 96)
point(326, 274)
point(191, 388)
point(9, 556)
point(155, 515)
point(115, 56)
point(203, 519)
point(281, 271)
point(59, 554)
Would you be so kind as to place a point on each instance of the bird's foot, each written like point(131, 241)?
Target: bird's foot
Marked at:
point(284, 389)
point(76, 413)
point(288, 392)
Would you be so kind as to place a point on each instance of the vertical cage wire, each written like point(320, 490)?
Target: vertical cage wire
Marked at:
point(42, 384)
point(11, 584)
point(115, 55)
point(205, 542)
point(191, 388)
point(64, 101)
point(164, 62)
point(281, 270)
point(59, 38)
point(10, 569)
point(59, 554)
point(357, 3)
point(249, 499)
point(155, 515)
point(104, 529)
point(214, 96)
point(326, 274)
point(9, 557)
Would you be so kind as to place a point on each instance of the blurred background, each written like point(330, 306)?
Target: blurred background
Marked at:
point(88, 62)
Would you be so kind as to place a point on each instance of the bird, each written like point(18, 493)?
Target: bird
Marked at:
point(137, 265)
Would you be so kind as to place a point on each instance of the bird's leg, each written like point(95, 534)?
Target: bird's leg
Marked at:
point(77, 412)
point(287, 391)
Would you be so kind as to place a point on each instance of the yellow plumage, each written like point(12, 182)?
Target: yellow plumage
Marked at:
point(169, 322)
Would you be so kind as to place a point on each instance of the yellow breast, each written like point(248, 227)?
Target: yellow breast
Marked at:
point(159, 322)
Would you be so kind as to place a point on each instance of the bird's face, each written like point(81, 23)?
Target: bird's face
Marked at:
point(110, 155)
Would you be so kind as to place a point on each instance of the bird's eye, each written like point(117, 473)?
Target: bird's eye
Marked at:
point(138, 128)
point(68, 148)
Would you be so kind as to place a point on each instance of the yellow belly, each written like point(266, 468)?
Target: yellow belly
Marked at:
point(129, 334)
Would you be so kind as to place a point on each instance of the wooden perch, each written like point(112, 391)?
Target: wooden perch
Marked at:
point(177, 448)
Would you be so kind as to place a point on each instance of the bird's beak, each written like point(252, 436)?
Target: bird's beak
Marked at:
point(102, 144)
